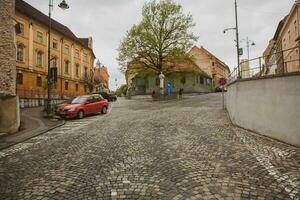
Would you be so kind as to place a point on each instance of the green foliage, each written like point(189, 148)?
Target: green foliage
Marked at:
point(163, 36)
point(122, 90)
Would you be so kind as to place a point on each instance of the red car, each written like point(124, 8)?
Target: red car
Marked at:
point(84, 105)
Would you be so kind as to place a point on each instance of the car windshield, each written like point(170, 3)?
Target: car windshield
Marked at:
point(79, 100)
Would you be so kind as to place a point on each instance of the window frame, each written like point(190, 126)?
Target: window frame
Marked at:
point(54, 41)
point(39, 81)
point(19, 78)
point(20, 46)
point(66, 85)
point(39, 36)
point(67, 49)
point(77, 69)
point(37, 58)
point(67, 66)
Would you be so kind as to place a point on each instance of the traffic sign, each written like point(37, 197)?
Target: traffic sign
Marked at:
point(222, 81)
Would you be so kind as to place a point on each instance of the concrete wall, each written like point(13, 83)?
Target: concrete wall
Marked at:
point(269, 106)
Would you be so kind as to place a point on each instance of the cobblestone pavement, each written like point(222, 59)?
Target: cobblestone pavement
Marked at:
point(152, 150)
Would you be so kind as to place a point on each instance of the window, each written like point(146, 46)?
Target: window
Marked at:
point(85, 88)
point(201, 80)
point(76, 87)
point(66, 67)
point(19, 78)
point(77, 53)
point(20, 52)
point(213, 63)
point(66, 85)
point(39, 81)
point(39, 59)
point(40, 37)
point(54, 62)
point(77, 70)
point(67, 49)
point(208, 81)
point(84, 57)
point(85, 72)
point(21, 26)
point(54, 43)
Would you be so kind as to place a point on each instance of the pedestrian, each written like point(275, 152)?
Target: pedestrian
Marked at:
point(153, 94)
point(180, 93)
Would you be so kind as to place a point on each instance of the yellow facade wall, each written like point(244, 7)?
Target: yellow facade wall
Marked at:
point(30, 70)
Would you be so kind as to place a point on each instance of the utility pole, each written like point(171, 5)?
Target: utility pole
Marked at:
point(237, 38)
point(63, 5)
point(49, 81)
point(236, 28)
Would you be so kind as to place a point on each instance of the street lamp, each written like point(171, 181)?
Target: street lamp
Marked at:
point(63, 5)
point(236, 28)
point(248, 47)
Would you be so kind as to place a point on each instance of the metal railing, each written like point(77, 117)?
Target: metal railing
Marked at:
point(279, 63)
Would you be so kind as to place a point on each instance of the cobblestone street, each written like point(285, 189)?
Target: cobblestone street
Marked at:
point(151, 150)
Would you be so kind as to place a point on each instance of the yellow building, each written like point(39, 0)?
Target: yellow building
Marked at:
point(73, 56)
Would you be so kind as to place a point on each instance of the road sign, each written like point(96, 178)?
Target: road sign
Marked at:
point(241, 52)
point(222, 81)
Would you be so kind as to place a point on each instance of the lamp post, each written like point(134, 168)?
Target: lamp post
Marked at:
point(236, 28)
point(248, 47)
point(63, 5)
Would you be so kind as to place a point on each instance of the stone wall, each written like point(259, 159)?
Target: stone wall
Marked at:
point(7, 49)
point(9, 103)
point(269, 106)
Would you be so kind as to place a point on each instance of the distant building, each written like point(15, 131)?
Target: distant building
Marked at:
point(282, 53)
point(186, 75)
point(101, 78)
point(210, 64)
point(72, 56)
point(200, 75)
point(245, 73)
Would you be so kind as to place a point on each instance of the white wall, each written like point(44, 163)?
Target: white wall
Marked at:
point(269, 106)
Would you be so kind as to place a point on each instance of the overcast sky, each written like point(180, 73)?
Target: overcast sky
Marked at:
point(108, 20)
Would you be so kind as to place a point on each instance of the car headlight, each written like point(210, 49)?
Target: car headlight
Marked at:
point(72, 110)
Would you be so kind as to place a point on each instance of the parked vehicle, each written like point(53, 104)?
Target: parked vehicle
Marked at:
point(60, 106)
point(107, 96)
point(85, 105)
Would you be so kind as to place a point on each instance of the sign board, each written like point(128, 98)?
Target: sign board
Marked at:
point(222, 81)
point(241, 52)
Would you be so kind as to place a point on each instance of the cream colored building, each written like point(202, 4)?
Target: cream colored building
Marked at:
point(210, 64)
point(245, 71)
point(282, 53)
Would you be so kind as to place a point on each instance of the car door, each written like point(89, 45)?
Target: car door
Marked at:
point(96, 104)
point(89, 105)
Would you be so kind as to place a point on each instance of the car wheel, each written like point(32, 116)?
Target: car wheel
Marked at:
point(104, 110)
point(81, 114)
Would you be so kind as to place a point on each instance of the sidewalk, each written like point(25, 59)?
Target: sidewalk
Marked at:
point(32, 124)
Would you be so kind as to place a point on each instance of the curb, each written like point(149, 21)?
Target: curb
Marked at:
point(38, 134)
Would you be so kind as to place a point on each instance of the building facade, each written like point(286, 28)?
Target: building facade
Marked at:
point(186, 75)
point(210, 64)
point(9, 107)
point(72, 56)
point(245, 72)
point(282, 53)
point(101, 78)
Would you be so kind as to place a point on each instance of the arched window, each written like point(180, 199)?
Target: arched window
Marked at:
point(20, 52)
